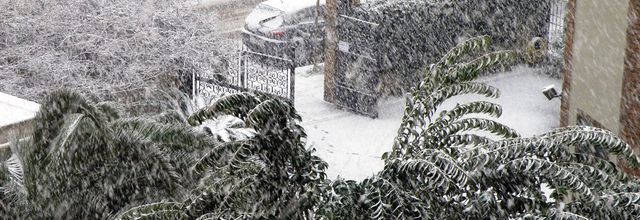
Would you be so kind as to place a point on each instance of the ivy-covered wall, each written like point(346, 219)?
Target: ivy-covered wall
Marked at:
point(412, 33)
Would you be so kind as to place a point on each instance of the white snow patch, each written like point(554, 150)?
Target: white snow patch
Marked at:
point(524, 107)
point(14, 110)
point(352, 144)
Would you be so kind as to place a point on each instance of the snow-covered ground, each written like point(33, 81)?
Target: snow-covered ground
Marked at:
point(352, 144)
point(230, 14)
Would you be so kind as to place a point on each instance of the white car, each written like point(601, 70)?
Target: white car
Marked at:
point(285, 28)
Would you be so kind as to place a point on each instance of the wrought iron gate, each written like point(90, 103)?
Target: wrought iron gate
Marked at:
point(556, 28)
point(249, 71)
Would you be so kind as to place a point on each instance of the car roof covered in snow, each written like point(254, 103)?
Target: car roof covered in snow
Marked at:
point(289, 6)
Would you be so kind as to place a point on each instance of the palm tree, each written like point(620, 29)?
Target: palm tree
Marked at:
point(268, 176)
point(78, 164)
point(85, 161)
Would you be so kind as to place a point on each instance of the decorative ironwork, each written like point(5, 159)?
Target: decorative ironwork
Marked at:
point(556, 27)
point(250, 71)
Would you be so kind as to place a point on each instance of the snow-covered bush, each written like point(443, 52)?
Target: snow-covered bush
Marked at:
point(414, 33)
point(437, 169)
point(118, 50)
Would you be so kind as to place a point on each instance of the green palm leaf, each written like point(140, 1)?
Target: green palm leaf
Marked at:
point(160, 210)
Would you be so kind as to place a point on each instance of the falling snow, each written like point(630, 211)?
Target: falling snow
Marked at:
point(293, 109)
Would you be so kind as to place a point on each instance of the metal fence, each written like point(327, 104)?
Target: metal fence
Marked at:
point(249, 71)
point(557, 28)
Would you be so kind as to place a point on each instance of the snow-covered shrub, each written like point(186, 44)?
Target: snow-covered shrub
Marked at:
point(414, 33)
point(118, 50)
point(438, 170)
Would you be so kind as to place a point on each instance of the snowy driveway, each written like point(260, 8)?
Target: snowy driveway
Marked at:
point(352, 144)
point(230, 13)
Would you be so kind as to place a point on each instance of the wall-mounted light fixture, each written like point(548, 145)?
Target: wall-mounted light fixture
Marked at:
point(550, 92)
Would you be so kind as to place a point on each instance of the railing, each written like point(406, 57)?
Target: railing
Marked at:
point(249, 71)
point(557, 27)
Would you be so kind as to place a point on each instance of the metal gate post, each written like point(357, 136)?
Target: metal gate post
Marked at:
point(194, 88)
point(292, 82)
point(242, 70)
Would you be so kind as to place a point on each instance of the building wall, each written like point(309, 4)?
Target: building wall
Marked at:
point(630, 117)
point(597, 61)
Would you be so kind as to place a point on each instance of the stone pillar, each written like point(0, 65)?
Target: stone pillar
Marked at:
point(331, 41)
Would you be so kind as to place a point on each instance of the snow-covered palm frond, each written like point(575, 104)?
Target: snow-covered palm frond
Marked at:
point(270, 168)
point(69, 128)
point(183, 143)
point(545, 169)
point(562, 215)
point(448, 78)
point(160, 210)
point(479, 107)
point(427, 104)
point(469, 124)
point(623, 199)
point(341, 200)
point(75, 145)
point(216, 120)
point(471, 70)
point(57, 127)
point(177, 137)
point(553, 146)
point(621, 205)
point(227, 128)
point(418, 111)
point(438, 172)
point(236, 215)
point(269, 112)
point(588, 173)
point(469, 140)
point(224, 196)
point(214, 158)
point(613, 203)
point(529, 216)
point(50, 119)
point(601, 165)
point(383, 199)
point(237, 105)
point(14, 170)
point(464, 48)
point(485, 178)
